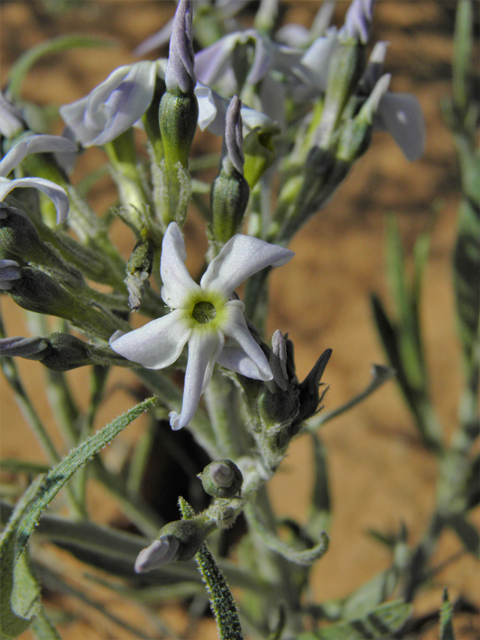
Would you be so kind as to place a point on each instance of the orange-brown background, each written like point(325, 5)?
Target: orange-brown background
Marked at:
point(380, 475)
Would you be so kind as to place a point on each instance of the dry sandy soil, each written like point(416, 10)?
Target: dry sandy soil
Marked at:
point(380, 475)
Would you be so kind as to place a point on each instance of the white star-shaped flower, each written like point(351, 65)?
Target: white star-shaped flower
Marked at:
point(205, 316)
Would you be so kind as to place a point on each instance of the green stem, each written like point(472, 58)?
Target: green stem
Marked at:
point(23, 400)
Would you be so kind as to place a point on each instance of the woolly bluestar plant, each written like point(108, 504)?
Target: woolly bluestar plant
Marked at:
point(205, 316)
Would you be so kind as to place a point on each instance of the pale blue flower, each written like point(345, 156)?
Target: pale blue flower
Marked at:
point(36, 144)
point(205, 316)
point(114, 106)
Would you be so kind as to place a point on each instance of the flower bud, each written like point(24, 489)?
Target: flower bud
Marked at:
point(178, 112)
point(59, 351)
point(190, 535)
point(20, 238)
point(9, 272)
point(37, 291)
point(29, 348)
point(230, 190)
point(278, 363)
point(357, 22)
point(160, 552)
point(222, 479)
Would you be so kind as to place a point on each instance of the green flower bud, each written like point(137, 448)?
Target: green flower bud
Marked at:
point(230, 191)
point(20, 238)
point(177, 115)
point(222, 479)
point(229, 199)
point(37, 291)
point(59, 351)
point(190, 535)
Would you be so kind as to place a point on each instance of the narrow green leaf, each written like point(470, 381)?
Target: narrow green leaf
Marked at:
point(408, 336)
point(421, 252)
point(43, 628)
point(467, 533)
point(388, 334)
point(396, 269)
point(19, 70)
point(446, 624)
point(466, 267)
point(379, 624)
point(303, 557)
point(60, 474)
point(320, 503)
point(221, 599)
point(462, 54)
point(18, 466)
point(12, 621)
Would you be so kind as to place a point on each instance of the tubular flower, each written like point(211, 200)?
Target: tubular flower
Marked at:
point(204, 316)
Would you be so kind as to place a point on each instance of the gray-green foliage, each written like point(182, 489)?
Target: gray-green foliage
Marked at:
point(19, 590)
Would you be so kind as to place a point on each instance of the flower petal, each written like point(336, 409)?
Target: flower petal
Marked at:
point(401, 115)
point(73, 115)
point(34, 144)
point(241, 257)
point(203, 349)
point(317, 59)
point(235, 359)
point(128, 102)
point(177, 282)
point(236, 328)
point(212, 109)
point(114, 106)
point(56, 193)
point(157, 344)
point(211, 63)
point(11, 121)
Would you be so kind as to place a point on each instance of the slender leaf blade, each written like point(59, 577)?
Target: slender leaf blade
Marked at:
point(379, 624)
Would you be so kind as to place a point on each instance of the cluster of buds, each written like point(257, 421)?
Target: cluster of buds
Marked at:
point(180, 540)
